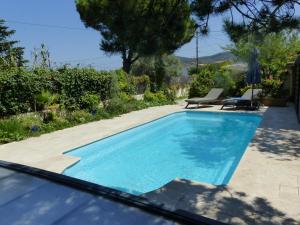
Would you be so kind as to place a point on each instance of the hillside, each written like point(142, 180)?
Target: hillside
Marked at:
point(222, 56)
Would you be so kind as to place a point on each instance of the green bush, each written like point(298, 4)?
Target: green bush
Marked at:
point(125, 97)
point(116, 106)
point(89, 101)
point(76, 82)
point(224, 79)
point(125, 82)
point(11, 130)
point(18, 89)
point(45, 99)
point(78, 117)
point(142, 84)
point(170, 93)
point(157, 98)
point(271, 88)
point(201, 83)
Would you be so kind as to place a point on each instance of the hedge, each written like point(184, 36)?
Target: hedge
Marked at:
point(19, 87)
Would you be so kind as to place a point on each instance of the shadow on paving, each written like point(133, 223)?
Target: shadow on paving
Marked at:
point(218, 203)
point(279, 134)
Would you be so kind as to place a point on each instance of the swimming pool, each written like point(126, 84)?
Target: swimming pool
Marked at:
point(199, 146)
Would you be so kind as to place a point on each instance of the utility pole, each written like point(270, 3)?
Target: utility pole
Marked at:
point(197, 46)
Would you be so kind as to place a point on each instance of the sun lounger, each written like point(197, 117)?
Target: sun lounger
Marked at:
point(244, 101)
point(211, 97)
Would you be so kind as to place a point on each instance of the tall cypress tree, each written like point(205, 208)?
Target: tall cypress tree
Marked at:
point(11, 55)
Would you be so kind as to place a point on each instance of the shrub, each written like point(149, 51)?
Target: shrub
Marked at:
point(116, 106)
point(142, 83)
point(125, 82)
point(77, 82)
point(18, 89)
point(49, 116)
point(271, 88)
point(170, 93)
point(224, 79)
point(125, 97)
point(45, 99)
point(201, 84)
point(78, 117)
point(11, 130)
point(157, 98)
point(89, 101)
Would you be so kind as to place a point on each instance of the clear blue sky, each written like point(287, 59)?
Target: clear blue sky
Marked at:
point(80, 45)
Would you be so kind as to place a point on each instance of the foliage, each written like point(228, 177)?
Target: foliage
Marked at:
point(11, 130)
point(161, 69)
point(271, 88)
point(19, 127)
point(258, 16)
point(212, 67)
point(224, 79)
point(41, 57)
point(125, 82)
point(156, 98)
point(218, 75)
point(10, 54)
point(202, 82)
point(45, 99)
point(141, 83)
point(275, 52)
point(79, 117)
point(170, 94)
point(89, 101)
point(137, 28)
point(18, 89)
point(117, 106)
point(76, 82)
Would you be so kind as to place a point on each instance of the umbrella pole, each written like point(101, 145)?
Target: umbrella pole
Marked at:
point(252, 96)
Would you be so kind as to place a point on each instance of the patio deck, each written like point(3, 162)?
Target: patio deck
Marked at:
point(264, 189)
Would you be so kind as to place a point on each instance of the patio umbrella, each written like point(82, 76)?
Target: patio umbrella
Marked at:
point(253, 74)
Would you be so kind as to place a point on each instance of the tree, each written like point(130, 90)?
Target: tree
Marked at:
point(275, 51)
point(137, 28)
point(10, 54)
point(257, 15)
point(161, 69)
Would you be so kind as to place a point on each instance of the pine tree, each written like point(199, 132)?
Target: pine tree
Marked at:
point(10, 54)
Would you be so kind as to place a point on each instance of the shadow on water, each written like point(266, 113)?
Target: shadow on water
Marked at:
point(220, 203)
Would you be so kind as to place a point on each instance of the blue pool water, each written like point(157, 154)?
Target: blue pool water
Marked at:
point(199, 146)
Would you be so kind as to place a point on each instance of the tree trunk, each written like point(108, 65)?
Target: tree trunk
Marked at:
point(127, 65)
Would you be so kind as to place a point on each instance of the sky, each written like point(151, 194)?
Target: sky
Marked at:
point(71, 42)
